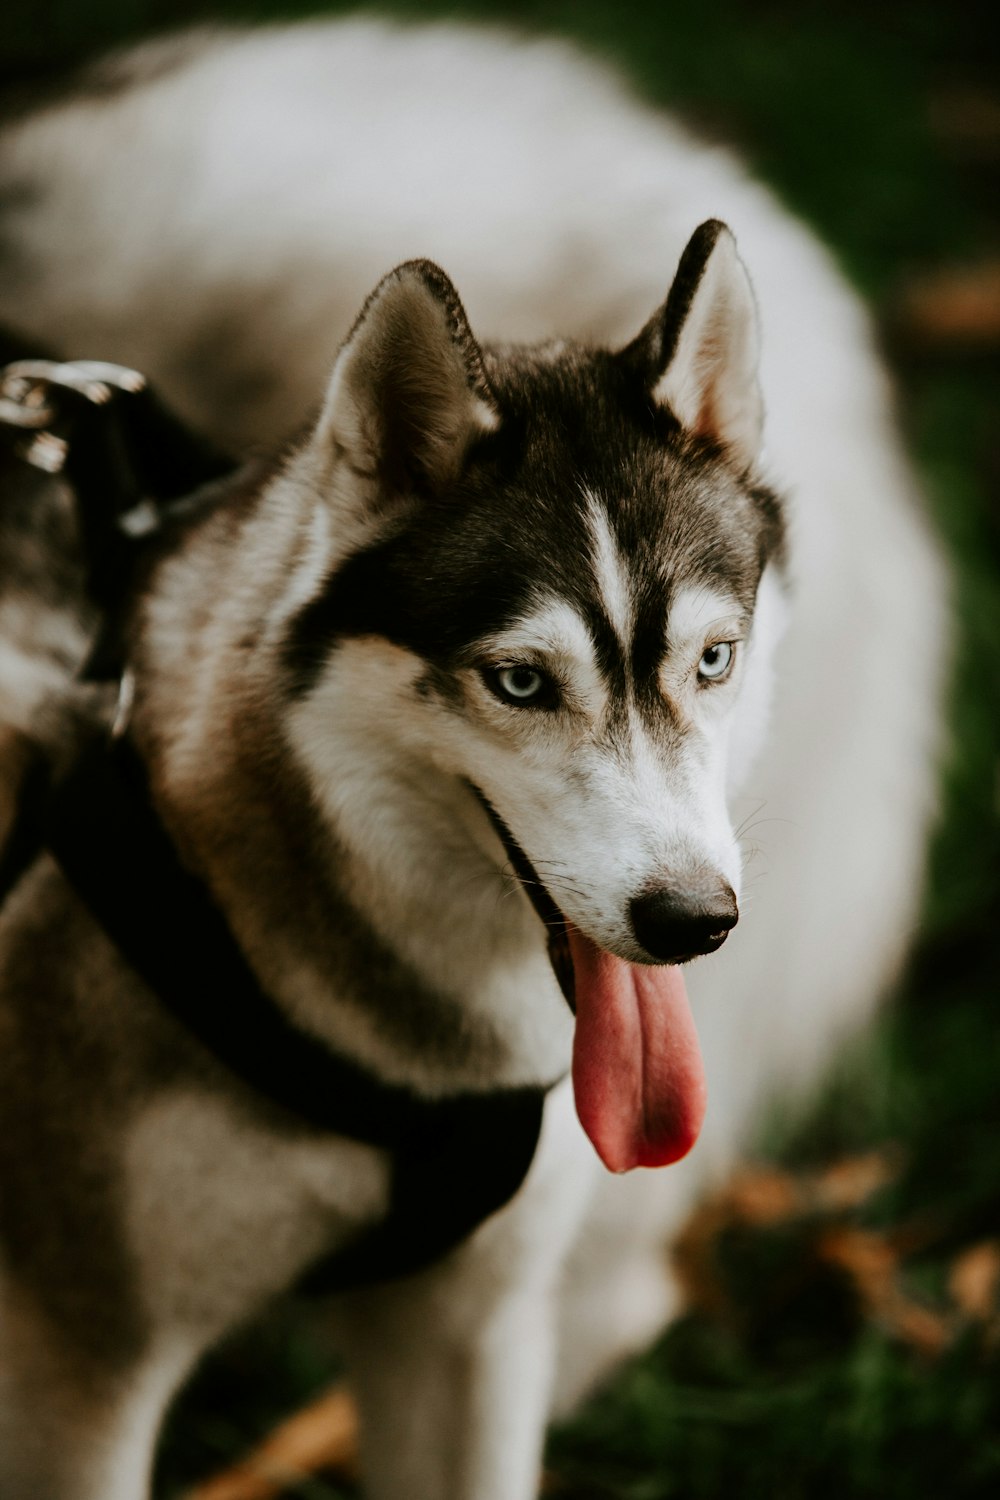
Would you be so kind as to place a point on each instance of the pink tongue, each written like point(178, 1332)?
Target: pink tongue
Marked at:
point(637, 1070)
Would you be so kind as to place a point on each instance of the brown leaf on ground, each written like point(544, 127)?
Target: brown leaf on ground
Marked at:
point(757, 1196)
point(871, 1261)
point(919, 1327)
point(850, 1182)
point(764, 1195)
point(951, 309)
point(322, 1436)
point(820, 1206)
point(868, 1258)
point(974, 1281)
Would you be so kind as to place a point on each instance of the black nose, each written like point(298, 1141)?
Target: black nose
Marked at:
point(676, 923)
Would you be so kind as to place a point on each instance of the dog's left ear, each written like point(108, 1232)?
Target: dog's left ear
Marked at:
point(699, 352)
point(408, 395)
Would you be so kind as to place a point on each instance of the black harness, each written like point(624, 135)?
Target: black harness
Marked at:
point(454, 1160)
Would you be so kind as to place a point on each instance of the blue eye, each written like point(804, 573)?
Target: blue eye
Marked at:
point(521, 683)
point(716, 661)
point(523, 686)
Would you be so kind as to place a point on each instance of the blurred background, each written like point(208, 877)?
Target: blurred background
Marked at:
point(844, 1328)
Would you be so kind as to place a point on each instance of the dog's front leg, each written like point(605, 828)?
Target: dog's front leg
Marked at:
point(452, 1407)
point(453, 1368)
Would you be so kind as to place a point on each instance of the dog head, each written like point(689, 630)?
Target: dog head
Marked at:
point(551, 569)
point(563, 549)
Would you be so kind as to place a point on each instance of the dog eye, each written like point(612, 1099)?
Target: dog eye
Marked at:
point(525, 687)
point(716, 662)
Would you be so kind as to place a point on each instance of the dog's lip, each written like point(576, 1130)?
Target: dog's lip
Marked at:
point(538, 894)
point(561, 960)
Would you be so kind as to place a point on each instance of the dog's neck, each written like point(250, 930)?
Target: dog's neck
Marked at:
point(364, 885)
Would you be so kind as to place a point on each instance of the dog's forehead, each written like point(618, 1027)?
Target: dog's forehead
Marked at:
point(599, 509)
point(582, 495)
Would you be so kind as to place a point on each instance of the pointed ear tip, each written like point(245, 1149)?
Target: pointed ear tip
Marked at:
point(712, 244)
point(428, 276)
point(422, 277)
point(709, 232)
point(719, 235)
point(420, 268)
point(723, 254)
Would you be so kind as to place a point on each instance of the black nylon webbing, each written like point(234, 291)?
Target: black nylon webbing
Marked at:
point(455, 1160)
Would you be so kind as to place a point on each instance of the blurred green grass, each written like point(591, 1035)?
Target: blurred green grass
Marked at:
point(840, 108)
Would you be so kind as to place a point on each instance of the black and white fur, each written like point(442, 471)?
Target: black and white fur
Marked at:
point(318, 680)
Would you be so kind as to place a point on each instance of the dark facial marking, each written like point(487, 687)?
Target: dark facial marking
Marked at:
point(468, 563)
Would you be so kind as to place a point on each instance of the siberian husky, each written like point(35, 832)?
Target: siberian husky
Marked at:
point(580, 600)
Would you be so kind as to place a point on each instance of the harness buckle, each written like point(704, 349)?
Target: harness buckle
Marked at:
point(33, 400)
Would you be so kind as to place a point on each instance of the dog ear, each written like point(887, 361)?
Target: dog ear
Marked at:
point(699, 353)
point(408, 394)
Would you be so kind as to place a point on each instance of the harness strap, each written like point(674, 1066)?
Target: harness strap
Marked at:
point(455, 1160)
point(117, 445)
point(131, 465)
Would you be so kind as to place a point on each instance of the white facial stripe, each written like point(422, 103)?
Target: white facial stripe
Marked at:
point(308, 574)
point(554, 632)
point(610, 572)
point(699, 612)
point(553, 628)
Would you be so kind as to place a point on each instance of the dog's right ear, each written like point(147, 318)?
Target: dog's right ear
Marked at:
point(408, 395)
